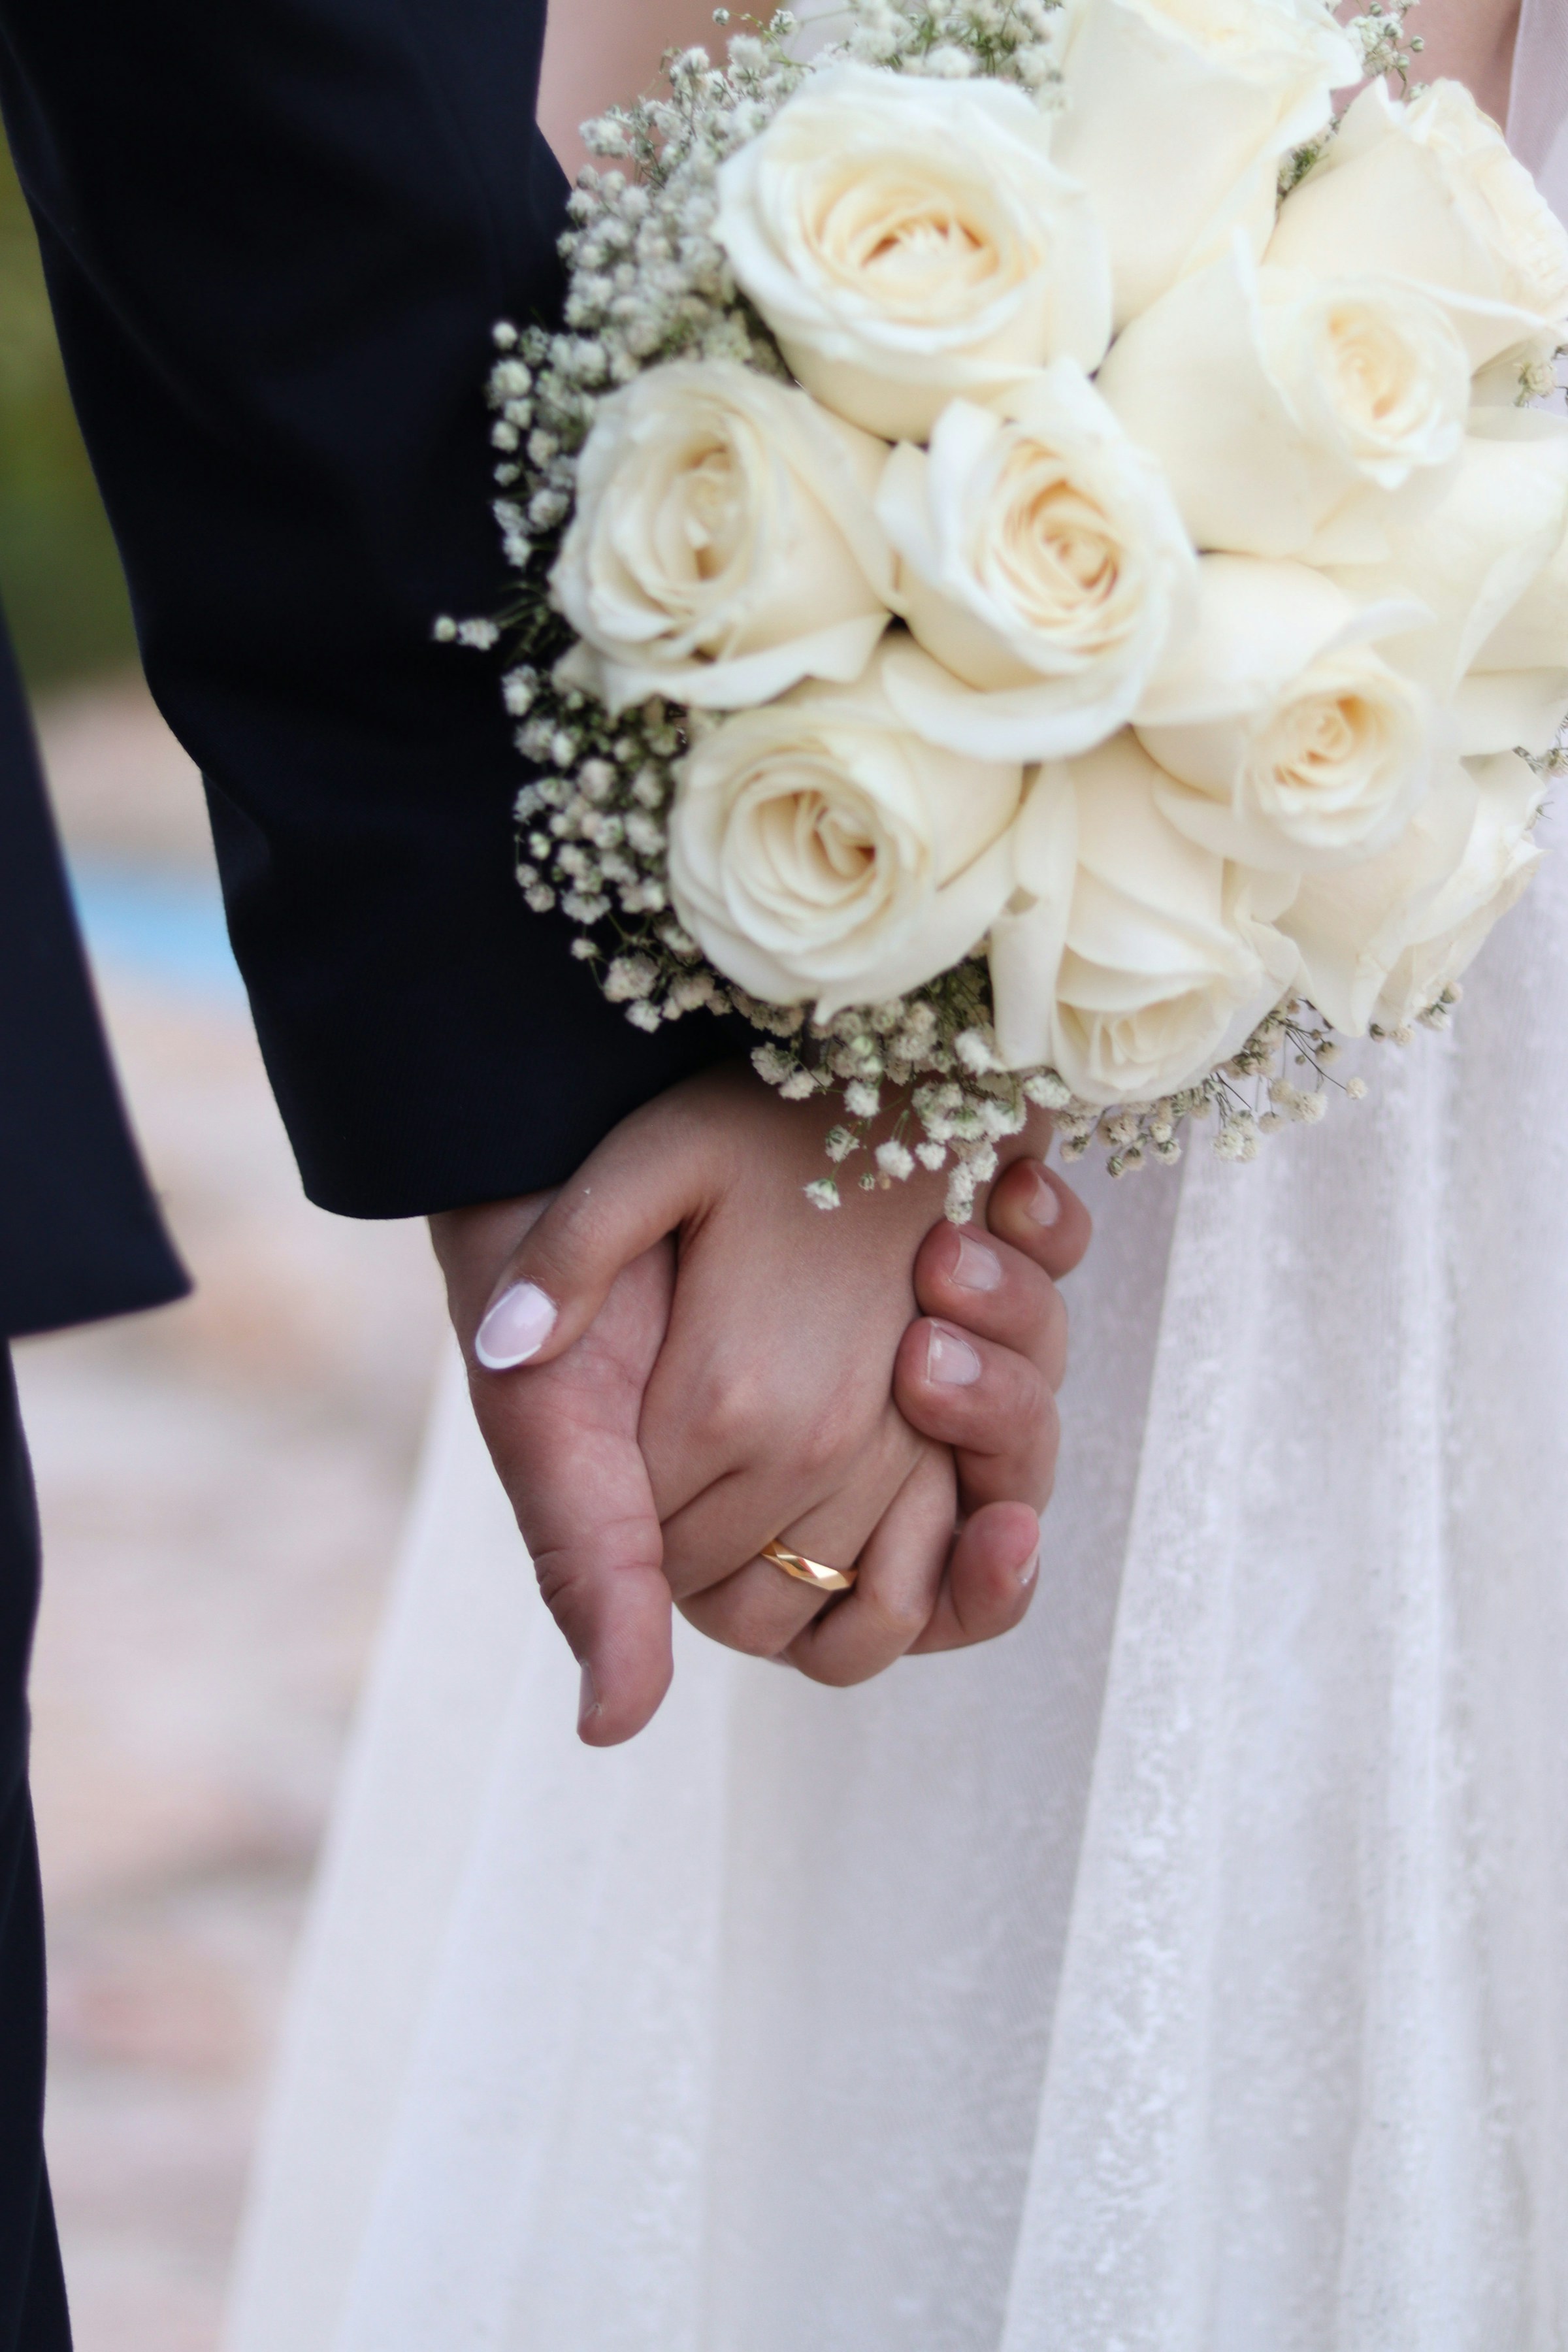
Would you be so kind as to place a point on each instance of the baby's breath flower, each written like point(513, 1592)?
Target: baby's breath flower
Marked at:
point(629, 976)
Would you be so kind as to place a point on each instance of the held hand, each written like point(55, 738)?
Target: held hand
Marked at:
point(565, 1445)
point(769, 1412)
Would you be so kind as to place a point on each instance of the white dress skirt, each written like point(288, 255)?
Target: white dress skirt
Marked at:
point(1188, 1973)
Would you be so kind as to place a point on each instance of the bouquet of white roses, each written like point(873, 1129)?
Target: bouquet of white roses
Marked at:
point(1041, 580)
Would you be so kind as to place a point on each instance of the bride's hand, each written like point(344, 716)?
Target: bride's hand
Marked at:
point(769, 1412)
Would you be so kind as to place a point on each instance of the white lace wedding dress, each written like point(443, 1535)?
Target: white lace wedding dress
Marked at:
point(1188, 1974)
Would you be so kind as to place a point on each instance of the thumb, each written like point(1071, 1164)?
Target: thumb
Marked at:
point(597, 1553)
point(650, 1174)
point(565, 1446)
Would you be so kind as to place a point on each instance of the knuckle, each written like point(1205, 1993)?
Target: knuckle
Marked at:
point(748, 1414)
point(751, 1640)
point(727, 1409)
point(572, 1232)
point(568, 1573)
point(836, 1670)
point(821, 1440)
point(899, 1614)
point(1023, 1396)
point(739, 1623)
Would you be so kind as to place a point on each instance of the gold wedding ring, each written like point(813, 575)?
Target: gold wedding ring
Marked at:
point(809, 1572)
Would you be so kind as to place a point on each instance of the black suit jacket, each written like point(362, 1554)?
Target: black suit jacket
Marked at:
point(276, 234)
point(79, 1237)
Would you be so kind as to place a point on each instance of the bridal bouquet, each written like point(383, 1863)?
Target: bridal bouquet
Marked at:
point(1040, 578)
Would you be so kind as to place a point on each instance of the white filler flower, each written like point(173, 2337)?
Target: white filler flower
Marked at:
point(724, 545)
point(1383, 942)
point(1430, 194)
point(1168, 957)
point(1272, 397)
point(910, 241)
point(820, 853)
point(1042, 561)
point(1179, 113)
point(1294, 745)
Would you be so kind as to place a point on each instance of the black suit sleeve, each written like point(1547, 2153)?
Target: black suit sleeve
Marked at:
point(278, 234)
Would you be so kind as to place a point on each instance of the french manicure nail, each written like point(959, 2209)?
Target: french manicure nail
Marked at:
point(950, 1359)
point(516, 1328)
point(975, 1266)
point(1044, 1205)
point(588, 1700)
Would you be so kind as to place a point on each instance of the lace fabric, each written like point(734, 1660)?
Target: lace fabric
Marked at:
point(1189, 1974)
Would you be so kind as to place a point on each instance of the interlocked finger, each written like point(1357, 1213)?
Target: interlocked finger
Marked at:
point(996, 1292)
point(993, 1407)
point(896, 1592)
point(825, 1510)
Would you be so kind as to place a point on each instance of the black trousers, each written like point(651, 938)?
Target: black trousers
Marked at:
point(33, 2315)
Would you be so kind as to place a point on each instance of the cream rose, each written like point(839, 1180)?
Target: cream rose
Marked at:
point(1430, 194)
point(1382, 942)
point(820, 854)
point(1178, 113)
point(911, 241)
point(1271, 396)
point(1293, 745)
point(1514, 697)
point(1041, 561)
point(1169, 956)
point(1470, 553)
point(724, 545)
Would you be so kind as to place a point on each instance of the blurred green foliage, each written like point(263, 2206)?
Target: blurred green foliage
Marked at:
point(60, 580)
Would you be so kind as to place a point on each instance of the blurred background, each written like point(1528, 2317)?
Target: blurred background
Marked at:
point(221, 1485)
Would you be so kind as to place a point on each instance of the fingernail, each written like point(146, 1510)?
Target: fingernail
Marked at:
point(1029, 1570)
point(975, 1266)
point(516, 1328)
point(587, 1702)
point(1044, 1205)
point(951, 1360)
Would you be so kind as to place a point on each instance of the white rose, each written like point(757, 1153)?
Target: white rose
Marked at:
point(1169, 956)
point(1469, 551)
point(724, 545)
point(1043, 563)
point(1295, 746)
point(1178, 114)
point(1430, 194)
point(1514, 697)
point(1272, 397)
point(911, 241)
point(1382, 942)
point(819, 852)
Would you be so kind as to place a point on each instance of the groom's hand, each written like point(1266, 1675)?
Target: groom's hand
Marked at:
point(769, 1412)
